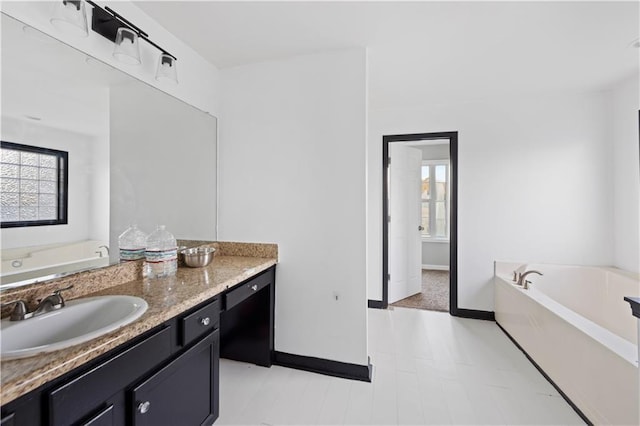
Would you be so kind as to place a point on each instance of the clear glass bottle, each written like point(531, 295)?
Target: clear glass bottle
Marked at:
point(161, 254)
point(132, 243)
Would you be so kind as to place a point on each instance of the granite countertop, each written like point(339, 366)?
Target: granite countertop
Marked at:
point(167, 297)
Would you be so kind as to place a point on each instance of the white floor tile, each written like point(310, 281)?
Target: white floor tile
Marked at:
point(429, 368)
point(360, 406)
point(460, 408)
point(334, 406)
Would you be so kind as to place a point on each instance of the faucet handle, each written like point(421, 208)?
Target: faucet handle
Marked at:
point(20, 311)
point(57, 294)
point(60, 290)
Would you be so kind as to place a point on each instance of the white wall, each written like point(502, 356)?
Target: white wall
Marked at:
point(198, 79)
point(292, 171)
point(435, 255)
point(163, 165)
point(434, 152)
point(626, 180)
point(529, 169)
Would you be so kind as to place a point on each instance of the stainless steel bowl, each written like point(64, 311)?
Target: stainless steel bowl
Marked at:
point(197, 257)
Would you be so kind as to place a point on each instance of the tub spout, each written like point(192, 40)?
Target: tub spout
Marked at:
point(522, 282)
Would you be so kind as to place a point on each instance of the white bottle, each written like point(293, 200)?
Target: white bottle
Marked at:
point(132, 243)
point(161, 254)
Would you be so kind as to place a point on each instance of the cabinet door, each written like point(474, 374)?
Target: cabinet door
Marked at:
point(7, 420)
point(24, 411)
point(103, 418)
point(185, 392)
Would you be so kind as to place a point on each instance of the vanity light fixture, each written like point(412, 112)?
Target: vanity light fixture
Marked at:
point(167, 69)
point(70, 16)
point(114, 27)
point(127, 48)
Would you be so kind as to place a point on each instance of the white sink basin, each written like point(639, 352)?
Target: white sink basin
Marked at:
point(79, 321)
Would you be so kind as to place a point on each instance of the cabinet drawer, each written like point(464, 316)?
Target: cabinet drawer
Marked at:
point(247, 289)
point(75, 399)
point(200, 322)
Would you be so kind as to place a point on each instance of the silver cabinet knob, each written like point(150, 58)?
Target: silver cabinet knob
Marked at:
point(205, 321)
point(143, 407)
point(254, 287)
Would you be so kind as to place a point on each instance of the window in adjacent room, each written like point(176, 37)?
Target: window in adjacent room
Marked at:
point(435, 199)
point(33, 183)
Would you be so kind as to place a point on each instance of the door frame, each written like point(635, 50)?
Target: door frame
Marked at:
point(453, 214)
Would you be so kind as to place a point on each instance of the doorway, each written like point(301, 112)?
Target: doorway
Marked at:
point(419, 222)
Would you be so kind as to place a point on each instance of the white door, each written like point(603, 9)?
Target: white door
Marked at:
point(405, 250)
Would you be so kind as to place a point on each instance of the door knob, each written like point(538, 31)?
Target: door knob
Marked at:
point(143, 407)
point(205, 321)
point(420, 228)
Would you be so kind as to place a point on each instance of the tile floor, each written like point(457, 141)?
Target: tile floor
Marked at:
point(429, 368)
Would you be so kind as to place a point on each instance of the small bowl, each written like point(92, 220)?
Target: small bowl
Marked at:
point(197, 257)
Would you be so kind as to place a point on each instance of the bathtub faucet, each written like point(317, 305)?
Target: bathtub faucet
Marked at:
point(522, 282)
point(99, 252)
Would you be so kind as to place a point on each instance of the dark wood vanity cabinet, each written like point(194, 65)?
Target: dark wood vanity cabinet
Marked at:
point(167, 376)
point(247, 321)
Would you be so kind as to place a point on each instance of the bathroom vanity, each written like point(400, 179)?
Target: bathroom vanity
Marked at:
point(164, 367)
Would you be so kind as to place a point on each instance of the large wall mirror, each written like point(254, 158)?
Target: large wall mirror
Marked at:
point(135, 156)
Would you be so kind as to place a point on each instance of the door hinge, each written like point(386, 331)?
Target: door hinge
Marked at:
point(389, 219)
point(388, 277)
point(389, 161)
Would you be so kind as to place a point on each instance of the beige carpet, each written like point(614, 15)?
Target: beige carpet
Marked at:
point(434, 295)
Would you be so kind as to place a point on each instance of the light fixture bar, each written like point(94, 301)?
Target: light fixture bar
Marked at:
point(123, 20)
point(106, 21)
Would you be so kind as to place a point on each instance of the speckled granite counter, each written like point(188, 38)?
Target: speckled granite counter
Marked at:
point(167, 297)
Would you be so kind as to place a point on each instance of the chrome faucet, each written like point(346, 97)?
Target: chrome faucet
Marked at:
point(523, 282)
point(50, 303)
point(20, 311)
point(99, 252)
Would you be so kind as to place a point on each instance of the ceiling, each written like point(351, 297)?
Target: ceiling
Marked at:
point(425, 51)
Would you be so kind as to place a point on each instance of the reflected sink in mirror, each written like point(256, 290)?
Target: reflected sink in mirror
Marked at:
point(79, 321)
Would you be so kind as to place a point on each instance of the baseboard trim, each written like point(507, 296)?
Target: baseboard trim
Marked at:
point(376, 304)
point(324, 366)
point(474, 314)
point(436, 267)
point(535, 364)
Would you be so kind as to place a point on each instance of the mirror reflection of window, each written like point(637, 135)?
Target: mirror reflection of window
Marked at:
point(33, 186)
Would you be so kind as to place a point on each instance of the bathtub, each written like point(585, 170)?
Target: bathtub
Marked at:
point(574, 323)
point(26, 263)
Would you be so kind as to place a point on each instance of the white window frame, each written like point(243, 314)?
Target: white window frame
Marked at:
point(432, 202)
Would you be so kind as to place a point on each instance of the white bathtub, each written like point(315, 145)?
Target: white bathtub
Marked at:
point(574, 323)
point(31, 262)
